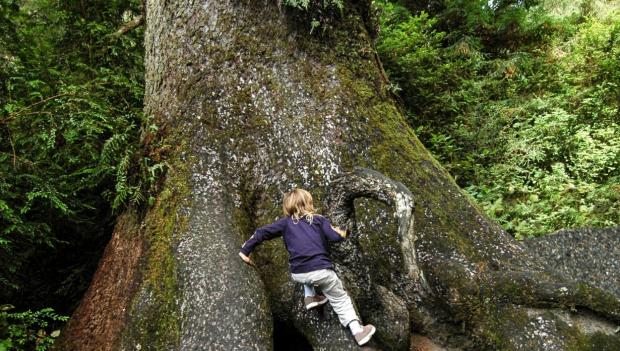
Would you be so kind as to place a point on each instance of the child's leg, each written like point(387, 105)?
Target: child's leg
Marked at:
point(311, 299)
point(332, 288)
point(309, 290)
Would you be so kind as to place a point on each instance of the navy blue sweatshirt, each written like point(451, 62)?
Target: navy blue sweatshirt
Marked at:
point(306, 243)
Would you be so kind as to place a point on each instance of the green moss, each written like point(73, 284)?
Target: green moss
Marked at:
point(393, 143)
point(495, 326)
point(603, 342)
point(380, 246)
point(155, 313)
point(272, 259)
point(576, 340)
point(598, 299)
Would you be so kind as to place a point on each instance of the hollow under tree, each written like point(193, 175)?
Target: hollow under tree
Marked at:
point(248, 105)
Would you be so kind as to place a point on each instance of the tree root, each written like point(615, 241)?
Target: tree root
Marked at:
point(465, 287)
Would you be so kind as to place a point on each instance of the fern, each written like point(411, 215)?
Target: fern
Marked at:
point(70, 114)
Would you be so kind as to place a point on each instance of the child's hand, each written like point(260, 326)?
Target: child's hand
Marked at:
point(246, 259)
point(342, 232)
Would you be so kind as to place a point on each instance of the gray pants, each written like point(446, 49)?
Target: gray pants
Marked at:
point(330, 284)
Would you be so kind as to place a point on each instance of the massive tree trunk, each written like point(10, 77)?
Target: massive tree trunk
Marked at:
point(248, 105)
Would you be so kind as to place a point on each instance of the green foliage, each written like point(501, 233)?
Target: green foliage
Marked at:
point(29, 330)
point(305, 4)
point(317, 13)
point(527, 124)
point(70, 115)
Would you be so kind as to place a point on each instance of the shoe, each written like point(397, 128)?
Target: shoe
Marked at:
point(314, 301)
point(364, 336)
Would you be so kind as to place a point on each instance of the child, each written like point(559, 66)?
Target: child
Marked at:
point(305, 235)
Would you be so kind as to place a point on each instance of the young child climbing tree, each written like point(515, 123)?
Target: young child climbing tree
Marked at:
point(305, 235)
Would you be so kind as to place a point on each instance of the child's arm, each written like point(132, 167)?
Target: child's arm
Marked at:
point(246, 259)
point(332, 233)
point(261, 234)
point(340, 231)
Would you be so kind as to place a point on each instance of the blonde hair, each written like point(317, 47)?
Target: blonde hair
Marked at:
point(298, 203)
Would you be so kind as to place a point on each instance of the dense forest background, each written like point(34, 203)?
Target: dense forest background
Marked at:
point(519, 100)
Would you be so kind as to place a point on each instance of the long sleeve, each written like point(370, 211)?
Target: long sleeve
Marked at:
point(330, 233)
point(263, 233)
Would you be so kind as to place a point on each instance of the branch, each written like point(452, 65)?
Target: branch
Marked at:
point(17, 113)
point(21, 112)
point(126, 27)
point(13, 148)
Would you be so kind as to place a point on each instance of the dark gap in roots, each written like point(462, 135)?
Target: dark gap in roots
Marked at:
point(286, 337)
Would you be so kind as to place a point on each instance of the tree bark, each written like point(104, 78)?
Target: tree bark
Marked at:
point(248, 105)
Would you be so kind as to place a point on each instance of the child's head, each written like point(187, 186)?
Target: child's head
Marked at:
point(298, 203)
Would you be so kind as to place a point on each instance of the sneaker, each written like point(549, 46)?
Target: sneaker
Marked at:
point(364, 336)
point(314, 301)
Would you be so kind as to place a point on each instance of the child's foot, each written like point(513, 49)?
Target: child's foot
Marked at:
point(364, 336)
point(314, 301)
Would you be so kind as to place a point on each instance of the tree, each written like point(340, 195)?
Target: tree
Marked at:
point(248, 105)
